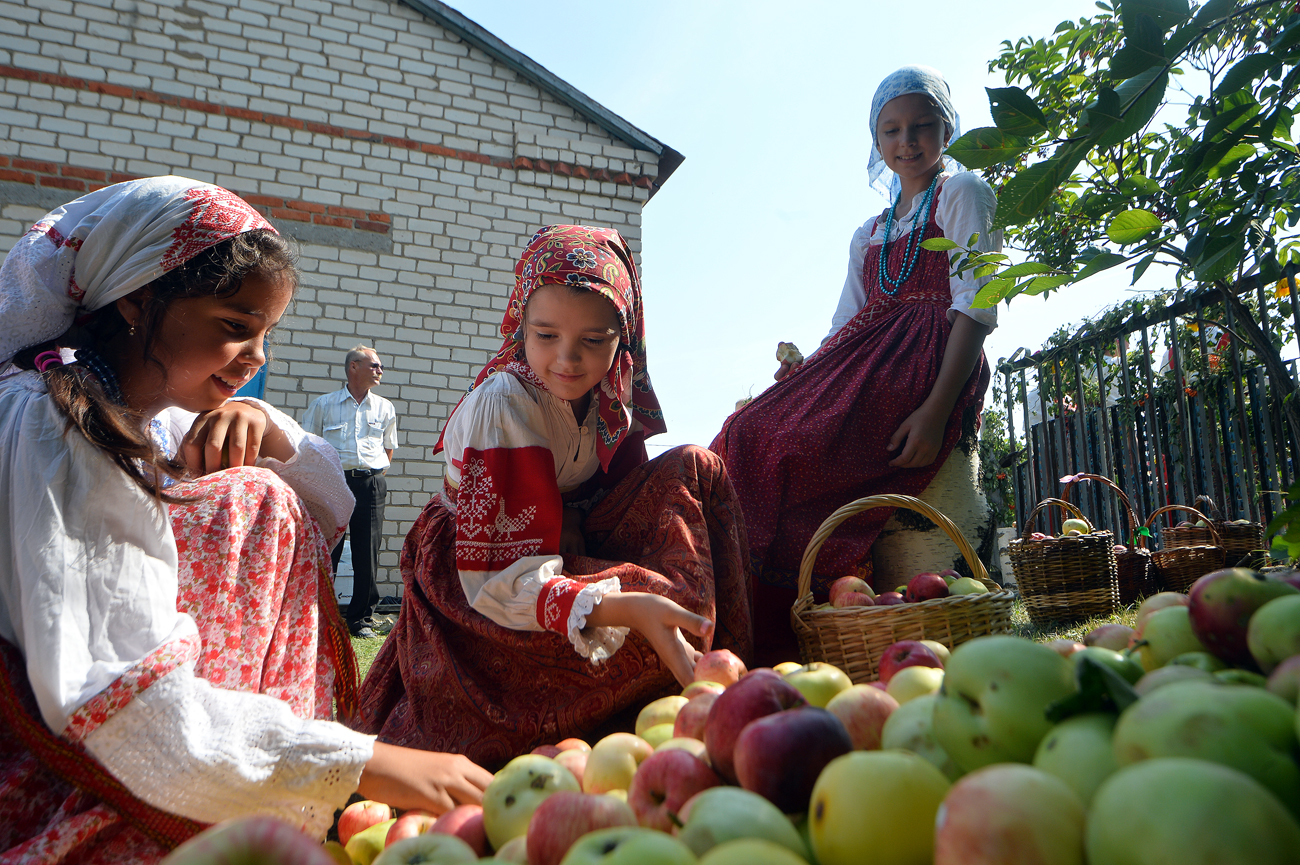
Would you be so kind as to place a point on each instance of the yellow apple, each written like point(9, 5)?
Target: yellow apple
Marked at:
point(661, 711)
point(818, 682)
point(912, 682)
point(658, 734)
point(613, 761)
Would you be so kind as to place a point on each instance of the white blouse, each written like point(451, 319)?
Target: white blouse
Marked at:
point(88, 588)
point(506, 413)
point(966, 206)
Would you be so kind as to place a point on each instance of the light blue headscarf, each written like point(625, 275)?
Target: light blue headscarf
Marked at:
point(910, 79)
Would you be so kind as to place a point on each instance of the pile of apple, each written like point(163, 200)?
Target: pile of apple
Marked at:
point(925, 586)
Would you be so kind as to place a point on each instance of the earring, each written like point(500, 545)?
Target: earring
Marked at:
point(130, 331)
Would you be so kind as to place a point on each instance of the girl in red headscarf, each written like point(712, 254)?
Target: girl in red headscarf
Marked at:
point(554, 581)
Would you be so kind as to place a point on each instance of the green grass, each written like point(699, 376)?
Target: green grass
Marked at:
point(365, 651)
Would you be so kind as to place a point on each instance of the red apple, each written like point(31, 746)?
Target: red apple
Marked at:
point(1113, 636)
point(572, 745)
point(926, 587)
point(411, 823)
point(780, 756)
point(546, 750)
point(863, 711)
point(695, 689)
point(251, 841)
point(760, 693)
point(1285, 680)
point(1157, 602)
point(664, 782)
point(565, 817)
point(720, 665)
point(889, 599)
point(1009, 813)
point(880, 686)
point(849, 584)
point(575, 761)
point(361, 815)
point(853, 599)
point(1063, 647)
point(1220, 605)
point(466, 823)
point(693, 716)
point(906, 653)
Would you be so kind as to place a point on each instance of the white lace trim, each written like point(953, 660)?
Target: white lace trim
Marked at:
point(594, 644)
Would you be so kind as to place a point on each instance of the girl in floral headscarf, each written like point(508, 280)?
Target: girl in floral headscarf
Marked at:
point(554, 536)
point(896, 384)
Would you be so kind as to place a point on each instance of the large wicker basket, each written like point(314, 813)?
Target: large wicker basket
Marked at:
point(1136, 572)
point(1180, 566)
point(1243, 543)
point(853, 638)
point(1065, 579)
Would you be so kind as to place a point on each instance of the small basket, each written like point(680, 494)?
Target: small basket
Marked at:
point(1179, 566)
point(854, 638)
point(1136, 573)
point(1066, 579)
point(1189, 536)
point(1243, 543)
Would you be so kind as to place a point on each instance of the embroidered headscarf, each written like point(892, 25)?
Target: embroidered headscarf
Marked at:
point(599, 260)
point(900, 82)
point(103, 246)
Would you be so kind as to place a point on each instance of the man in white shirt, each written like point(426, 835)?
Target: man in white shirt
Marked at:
point(362, 427)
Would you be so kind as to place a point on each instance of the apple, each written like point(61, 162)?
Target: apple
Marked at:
point(658, 734)
point(911, 728)
point(663, 784)
point(912, 682)
point(751, 851)
point(877, 807)
point(361, 815)
point(760, 693)
point(889, 599)
point(628, 845)
point(1007, 814)
point(1130, 669)
point(721, 814)
point(819, 682)
point(720, 665)
point(1167, 634)
point(575, 761)
point(1186, 811)
point(250, 841)
point(1078, 751)
point(1063, 647)
point(995, 692)
point(466, 823)
point(1076, 525)
point(572, 745)
point(1290, 576)
point(1233, 676)
point(691, 719)
point(1159, 601)
point(968, 586)
point(336, 852)
point(906, 653)
point(365, 845)
point(427, 850)
point(613, 761)
point(515, 792)
point(1246, 728)
point(515, 851)
point(853, 599)
point(545, 750)
point(1274, 632)
point(1163, 676)
point(687, 744)
point(661, 711)
point(779, 756)
point(786, 667)
point(863, 711)
point(1221, 604)
point(409, 824)
point(1285, 680)
point(695, 689)
point(926, 586)
point(942, 652)
point(878, 684)
point(950, 576)
point(1202, 660)
point(1113, 636)
point(565, 817)
point(850, 584)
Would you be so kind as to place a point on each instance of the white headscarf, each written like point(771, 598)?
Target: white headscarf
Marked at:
point(105, 245)
point(910, 79)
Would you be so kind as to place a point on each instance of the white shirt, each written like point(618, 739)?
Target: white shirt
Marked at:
point(966, 206)
point(359, 431)
point(88, 588)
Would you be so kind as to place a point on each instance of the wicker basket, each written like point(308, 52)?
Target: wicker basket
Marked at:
point(1189, 536)
point(853, 638)
point(1067, 579)
point(1180, 566)
point(1136, 573)
point(1243, 543)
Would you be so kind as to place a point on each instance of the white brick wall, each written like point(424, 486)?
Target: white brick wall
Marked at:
point(430, 304)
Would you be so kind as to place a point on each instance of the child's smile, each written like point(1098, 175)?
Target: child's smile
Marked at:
point(911, 136)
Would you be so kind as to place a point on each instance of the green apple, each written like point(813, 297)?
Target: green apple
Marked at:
point(336, 851)
point(1273, 634)
point(876, 808)
point(628, 845)
point(658, 734)
point(364, 846)
point(1201, 660)
point(786, 667)
point(940, 650)
point(1009, 814)
point(661, 711)
point(429, 848)
point(515, 851)
point(912, 682)
point(1246, 728)
point(1191, 812)
point(613, 761)
point(515, 792)
point(993, 699)
point(720, 814)
point(751, 851)
point(1166, 635)
point(967, 586)
point(910, 728)
point(1079, 752)
point(1130, 669)
point(1076, 525)
point(1164, 676)
point(819, 682)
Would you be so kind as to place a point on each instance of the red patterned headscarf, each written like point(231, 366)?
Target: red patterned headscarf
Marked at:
point(597, 259)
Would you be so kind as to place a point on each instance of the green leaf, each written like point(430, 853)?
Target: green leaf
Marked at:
point(1207, 14)
point(984, 270)
point(1024, 195)
point(1136, 184)
point(1144, 46)
point(939, 244)
point(1218, 258)
point(1228, 164)
point(1102, 114)
point(1014, 111)
point(1289, 36)
point(987, 146)
point(1244, 73)
point(1029, 268)
point(994, 291)
point(1098, 262)
point(1131, 226)
point(1101, 689)
point(1140, 97)
point(1163, 13)
point(1141, 267)
point(1040, 284)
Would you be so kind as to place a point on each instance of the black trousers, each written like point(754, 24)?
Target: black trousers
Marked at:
point(365, 531)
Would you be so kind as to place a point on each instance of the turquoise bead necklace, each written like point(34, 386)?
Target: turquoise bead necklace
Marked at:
point(912, 251)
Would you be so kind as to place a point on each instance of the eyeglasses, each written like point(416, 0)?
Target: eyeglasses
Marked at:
point(378, 366)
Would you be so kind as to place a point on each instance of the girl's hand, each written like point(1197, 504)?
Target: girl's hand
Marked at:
point(920, 437)
point(572, 543)
point(786, 368)
point(660, 620)
point(233, 434)
point(408, 778)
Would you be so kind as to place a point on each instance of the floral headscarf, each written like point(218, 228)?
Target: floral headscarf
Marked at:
point(88, 253)
point(900, 82)
point(597, 259)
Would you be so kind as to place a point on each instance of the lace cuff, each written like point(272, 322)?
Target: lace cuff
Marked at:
point(563, 607)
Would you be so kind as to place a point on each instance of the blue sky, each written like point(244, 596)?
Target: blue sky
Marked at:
point(747, 244)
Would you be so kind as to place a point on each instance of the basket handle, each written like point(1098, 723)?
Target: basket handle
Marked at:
point(885, 501)
point(1123, 497)
point(1209, 524)
point(1066, 506)
point(1217, 515)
